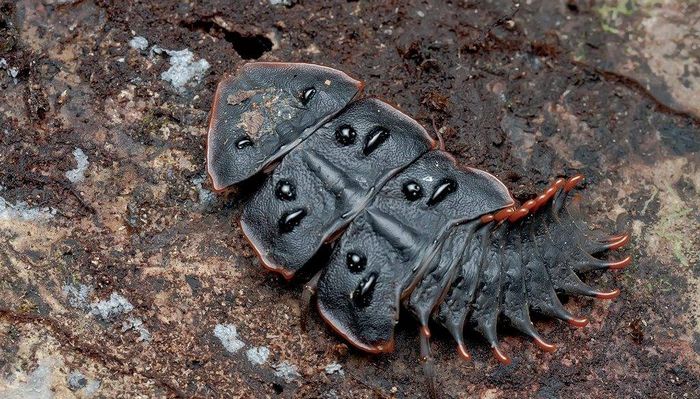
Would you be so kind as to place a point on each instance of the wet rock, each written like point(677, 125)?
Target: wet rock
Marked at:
point(548, 91)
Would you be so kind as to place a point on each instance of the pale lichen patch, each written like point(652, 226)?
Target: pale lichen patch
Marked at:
point(334, 368)
point(183, 68)
point(136, 324)
point(78, 295)
point(35, 384)
point(78, 174)
point(287, 371)
point(22, 211)
point(138, 43)
point(110, 308)
point(228, 335)
point(258, 355)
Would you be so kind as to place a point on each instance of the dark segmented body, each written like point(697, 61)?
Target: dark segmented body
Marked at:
point(409, 228)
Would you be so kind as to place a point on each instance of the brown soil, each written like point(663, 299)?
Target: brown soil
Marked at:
point(528, 93)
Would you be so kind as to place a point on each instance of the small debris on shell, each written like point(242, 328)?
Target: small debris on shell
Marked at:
point(240, 96)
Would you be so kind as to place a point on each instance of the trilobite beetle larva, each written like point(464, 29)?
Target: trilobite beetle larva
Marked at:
point(408, 227)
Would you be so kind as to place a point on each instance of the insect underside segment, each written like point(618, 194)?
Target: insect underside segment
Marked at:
point(408, 227)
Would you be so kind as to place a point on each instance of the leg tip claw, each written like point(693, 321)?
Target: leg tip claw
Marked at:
point(608, 295)
point(620, 264)
point(573, 182)
point(583, 322)
point(500, 356)
point(545, 346)
point(462, 350)
point(425, 331)
point(618, 241)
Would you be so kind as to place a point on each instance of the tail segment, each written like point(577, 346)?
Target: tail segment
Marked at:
point(526, 257)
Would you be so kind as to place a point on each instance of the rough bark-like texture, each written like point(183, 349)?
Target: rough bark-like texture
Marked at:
point(122, 275)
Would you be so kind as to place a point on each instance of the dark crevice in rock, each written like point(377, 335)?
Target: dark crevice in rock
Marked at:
point(248, 46)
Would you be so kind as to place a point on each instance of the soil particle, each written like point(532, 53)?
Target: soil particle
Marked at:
point(239, 97)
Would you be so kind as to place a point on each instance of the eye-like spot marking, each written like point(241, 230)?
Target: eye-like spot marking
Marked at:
point(291, 219)
point(362, 296)
point(307, 95)
point(444, 188)
point(286, 191)
point(345, 135)
point(374, 139)
point(244, 142)
point(412, 190)
point(356, 262)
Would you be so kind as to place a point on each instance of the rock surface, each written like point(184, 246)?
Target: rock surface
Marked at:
point(606, 88)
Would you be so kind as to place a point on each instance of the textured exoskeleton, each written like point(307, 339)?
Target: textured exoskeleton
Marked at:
point(319, 188)
point(265, 110)
point(398, 239)
point(408, 226)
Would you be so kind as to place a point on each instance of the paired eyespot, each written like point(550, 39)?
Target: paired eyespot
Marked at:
point(413, 191)
point(307, 94)
point(346, 135)
point(362, 295)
